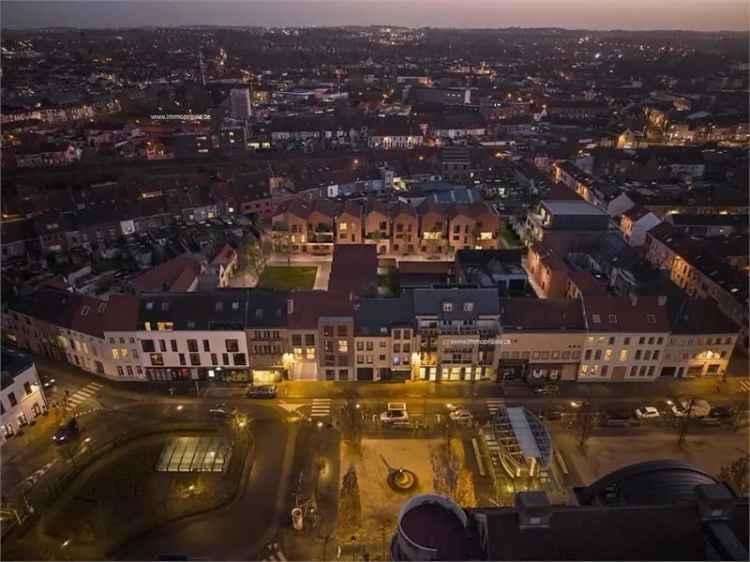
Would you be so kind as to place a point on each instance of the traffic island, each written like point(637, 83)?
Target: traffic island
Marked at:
point(136, 488)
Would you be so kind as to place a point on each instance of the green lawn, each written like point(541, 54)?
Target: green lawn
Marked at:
point(281, 277)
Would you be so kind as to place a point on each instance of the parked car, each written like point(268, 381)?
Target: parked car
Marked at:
point(617, 418)
point(395, 412)
point(67, 432)
point(721, 412)
point(647, 412)
point(547, 390)
point(461, 415)
point(262, 391)
point(700, 408)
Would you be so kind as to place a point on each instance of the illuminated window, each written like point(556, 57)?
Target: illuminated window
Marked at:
point(485, 236)
point(431, 235)
point(624, 355)
point(343, 346)
point(608, 355)
point(164, 326)
point(310, 353)
point(342, 226)
point(115, 353)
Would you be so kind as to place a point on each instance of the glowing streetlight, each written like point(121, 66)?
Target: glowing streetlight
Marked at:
point(180, 407)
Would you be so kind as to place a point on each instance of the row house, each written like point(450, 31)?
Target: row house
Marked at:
point(385, 339)
point(448, 334)
point(700, 274)
point(625, 338)
point(22, 396)
point(541, 340)
point(456, 333)
point(267, 329)
point(95, 335)
point(301, 226)
point(192, 336)
point(397, 228)
point(321, 332)
point(700, 342)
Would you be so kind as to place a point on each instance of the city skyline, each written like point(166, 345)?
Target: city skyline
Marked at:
point(636, 16)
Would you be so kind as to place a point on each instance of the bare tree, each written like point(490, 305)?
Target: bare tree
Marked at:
point(685, 422)
point(350, 506)
point(585, 421)
point(283, 240)
point(255, 256)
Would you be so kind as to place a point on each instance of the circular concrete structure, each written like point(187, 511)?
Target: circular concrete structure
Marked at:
point(430, 527)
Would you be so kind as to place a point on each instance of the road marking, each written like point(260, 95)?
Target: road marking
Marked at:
point(321, 407)
point(494, 405)
point(87, 392)
point(745, 385)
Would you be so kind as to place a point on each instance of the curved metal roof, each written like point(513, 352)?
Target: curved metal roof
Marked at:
point(648, 483)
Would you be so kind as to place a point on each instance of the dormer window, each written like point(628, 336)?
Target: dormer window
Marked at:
point(191, 324)
point(85, 310)
point(164, 306)
point(468, 306)
point(235, 305)
point(447, 307)
point(650, 318)
point(259, 313)
point(219, 306)
point(102, 307)
point(149, 306)
point(613, 319)
point(596, 319)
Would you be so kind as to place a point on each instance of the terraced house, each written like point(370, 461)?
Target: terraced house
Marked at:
point(396, 228)
point(457, 334)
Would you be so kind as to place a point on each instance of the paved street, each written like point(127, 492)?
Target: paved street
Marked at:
point(252, 520)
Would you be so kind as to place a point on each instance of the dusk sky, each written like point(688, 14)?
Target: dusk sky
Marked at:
point(703, 15)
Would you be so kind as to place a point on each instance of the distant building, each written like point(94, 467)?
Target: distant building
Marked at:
point(239, 99)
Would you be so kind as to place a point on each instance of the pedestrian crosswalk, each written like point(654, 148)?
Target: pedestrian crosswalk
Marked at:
point(745, 384)
point(82, 394)
point(321, 407)
point(494, 405)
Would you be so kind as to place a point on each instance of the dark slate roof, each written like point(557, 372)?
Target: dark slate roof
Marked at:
point(266, 309)
point(429, 302)
point(13, 362)
point(483, 257)
point(372, 314)
point(624, 314)
point(666, 532)
point(703, 316)
point(555, 315)
point(223, 309)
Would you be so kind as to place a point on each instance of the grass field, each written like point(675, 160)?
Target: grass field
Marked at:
point(280, 277)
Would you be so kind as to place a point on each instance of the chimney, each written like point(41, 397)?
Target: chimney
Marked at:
point(289, 306)
point(715, 502)
point(634, 299)
point(661, 300)
point(534, 510)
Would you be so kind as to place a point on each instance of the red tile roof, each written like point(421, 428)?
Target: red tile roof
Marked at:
point(354, 268)
point(174, 275)
point(309, 306)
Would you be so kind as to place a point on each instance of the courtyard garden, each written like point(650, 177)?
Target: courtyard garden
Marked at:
point(287, 278)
